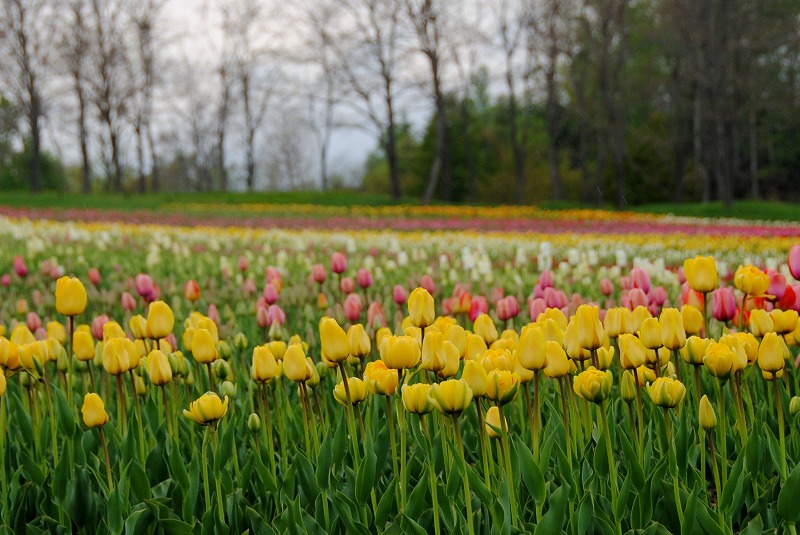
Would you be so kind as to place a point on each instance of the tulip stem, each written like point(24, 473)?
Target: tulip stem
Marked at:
point(301, 391)
point(4, 481)
point(217, 478)
point(166, 408)
point(640, 415)
point(506, 447)
point(108, 460)
point(465, 478)
point(565, 412)
point(484, 445)
point(351, 422)
point(210, 377)
point(781, 432)
point(70, 320)
point(52, 417)
point(121, 416)
point(268, 430)
point(715, 471)
point(401, 423)
point(673, 467)
point(431, 472)
point(612, 474)
point(736, 388)
point(723, 434)
point(393, 441)
point(204, 462)
point(138, 417)
point(537, 416)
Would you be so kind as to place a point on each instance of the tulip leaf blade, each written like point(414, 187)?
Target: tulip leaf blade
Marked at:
point(787, 499)
point(531, 474)
point(416, 499)
point(553, 520)
point(365, 479)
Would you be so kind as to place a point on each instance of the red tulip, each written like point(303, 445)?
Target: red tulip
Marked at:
point(33, 321)
point(270, 294)
point(606, 286)
point(399, 295)
point(19, 266)
point(191, 290)
point(94, 276)
point(546, 279)
point(640, 279)
point(242, 263)
point(338, 263)
point(724, 304)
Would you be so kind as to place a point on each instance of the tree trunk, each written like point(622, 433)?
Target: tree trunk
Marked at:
point(36, 139)
point(86, 171)
point(754, 190)
point(516, 148)
point(115, 160)
point(390, 147)
point(470, 157)
point(140, 157)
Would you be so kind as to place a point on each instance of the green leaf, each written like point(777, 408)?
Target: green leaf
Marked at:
point(787, 499)
point(190, 499)
point(365, 479)
point(306, 474)
point(324, 461)
point(173, 526)
point(80, 502)
point(66, 414)
point(177, 468)
point(735, 481)
point(114, 512)
point(632, 461)
point(339, 441)
point(553, 519)
point(531, 474)
point(585, 514)
point(416, 500)
point(139, 483)
point(478, 486)
point(409, 526)
point(385, 504)
point(690, 514)
point(709, 524)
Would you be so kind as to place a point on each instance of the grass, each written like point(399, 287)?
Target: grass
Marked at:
point(745, 209)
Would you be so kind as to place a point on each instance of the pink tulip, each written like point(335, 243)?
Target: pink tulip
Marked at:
point(497, 294)
point(562, 299)
point(261, 317)
point(681, 275)
point(536, 307)
point(428, 284)
point(606, 286)
point(171, 340)
point(507, 308)
point(33, 321)
point(625, 300)
point(538, 291)
point(94, 276)
point(40, 334)
point(128, 302)
point(375, 314)
point(144, 285)
point(724, 304)
point(19, 266)
point(37, 298)
point(777, 285)
point(191, 290)
point(5, 280)
point(364, 278)
point(794, 261)
point(97, 326)
point(399, 295)
point(658, 295)
point(338, 263)
point(275, 314)
point(654, 309)
point(460, 290)
point(478, 306)
point(552, 299)
point(213, 314)
point(638, 297)
point(274, 277)
point(602, 314)
point(347, 285)
point(625, 283)
point(546, 279)
point(640, 279)
point(249, 287)
point(270, 294)
point(242, 263)
point(318, 272)
point(449, 306)
point(352, 307)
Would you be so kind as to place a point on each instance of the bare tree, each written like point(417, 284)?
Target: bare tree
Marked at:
point(109, 87)
point(428, 19)
point(27, 33)
point(511, 19)
point(368, 50)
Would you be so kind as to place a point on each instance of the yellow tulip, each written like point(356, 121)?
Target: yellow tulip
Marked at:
point(593, 385)
point(158, 368)
point(673, 335)
point(335, 346)
point(277, 348)
point(94, 411)
point(666, 392)
point(21, 335)
point(56, 330)
point(556, 315)
point(295, 366)
point(359, 341)
point(416, 399)
point(572, 343)
point(761, 322)
point(160, 319)
point(694, 350)
point(399, 352)
point(115, 356)
point(207, 409)
point(314, 380)
point(650, 333)
point(590, 331)
point(439, 354)
point(692, 319)
point(451, 397)
point(2, 383)
point(739, 353)
point(627, 386)
point(645, 375)
point(493, 424)
point(264, 367)
point(638, 316)
point(380, 334)
point(553, 332)
point(476, 377)
point(605, 356)
point(701, 273)
point(456, 335)
point(415, 333)
point(708, 418)
point(497, 359)
point(70, 296)
point(421, 309)
point(718, 360)
point(751, 280)
point(83, 346)
point(204, 348)
point(784, 321)
point(631, 351)
point(9, 354)
point(557, 361)
point(750, 345)
point(618, 321)
point(502, 386)
point(474, 347)
point(380, 379)
point(531, 348)
point(771, 354)
point(112, 329)
point(358, 391)
point(485, 328)
point(138, 326)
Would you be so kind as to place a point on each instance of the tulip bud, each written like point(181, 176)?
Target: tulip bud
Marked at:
point(593, 385)
point(335, 345)
point(253, 423)
point(421, 309)
point(240, 341)
point(650, 333)
point(485, 328)
point(666, 392)
point(160, 319)
point(451, 397)
point(771, 354)
point(708, 418)
point(627, 387)
point(93, 411)
point(207, 409)
point(751, 280)
point(794, 405)
point(358, 391)
point(204, 348)
point(227, 389)
point(701, 273)
point(557, 362)
point(138, 326)
point(494, 427)
point(416, 399)
point(70, 296)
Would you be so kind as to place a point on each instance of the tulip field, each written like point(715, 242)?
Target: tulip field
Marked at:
point(398, 370)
